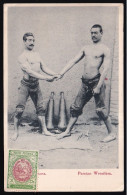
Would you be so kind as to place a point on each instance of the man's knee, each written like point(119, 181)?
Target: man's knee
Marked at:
point(102, 113)
point(40, 111)
point(75, 111)
point(19, 111)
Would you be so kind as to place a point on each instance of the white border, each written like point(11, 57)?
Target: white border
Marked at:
point(62, 177)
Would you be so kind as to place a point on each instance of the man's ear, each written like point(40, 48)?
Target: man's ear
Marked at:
point(24, 40)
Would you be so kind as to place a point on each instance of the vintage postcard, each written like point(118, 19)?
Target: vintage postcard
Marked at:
point(63, 97)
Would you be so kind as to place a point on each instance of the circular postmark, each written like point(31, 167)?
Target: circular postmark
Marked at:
point(22, 170)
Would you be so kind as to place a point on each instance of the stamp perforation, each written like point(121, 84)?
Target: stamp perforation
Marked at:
point(24, 165)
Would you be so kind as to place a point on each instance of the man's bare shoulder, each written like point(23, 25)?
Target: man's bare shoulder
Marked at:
point(85, 47)
point(105, 48)
point(22, 57)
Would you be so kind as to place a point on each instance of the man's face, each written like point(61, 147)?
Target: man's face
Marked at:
point(96, 34)
point(29, 43)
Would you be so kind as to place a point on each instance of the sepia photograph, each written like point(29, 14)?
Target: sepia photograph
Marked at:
point(64, 73)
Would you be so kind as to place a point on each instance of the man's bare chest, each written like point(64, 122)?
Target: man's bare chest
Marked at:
point(33, 58)
point(34, 61)
point(94, 53)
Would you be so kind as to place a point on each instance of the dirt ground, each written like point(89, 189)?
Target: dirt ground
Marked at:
point(82, 150)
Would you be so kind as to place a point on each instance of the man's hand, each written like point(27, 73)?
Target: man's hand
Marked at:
point(58, 76)
point(96, 90)
point(50, 78)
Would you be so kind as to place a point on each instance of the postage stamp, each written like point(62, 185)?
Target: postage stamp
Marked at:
point(22, 169)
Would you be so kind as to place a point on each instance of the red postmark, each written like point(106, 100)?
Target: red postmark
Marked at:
point(22, 170)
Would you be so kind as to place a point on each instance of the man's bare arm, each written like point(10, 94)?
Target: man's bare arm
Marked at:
point(26, 67)
point(46, 70)
point(106, 65)
point(72, 62)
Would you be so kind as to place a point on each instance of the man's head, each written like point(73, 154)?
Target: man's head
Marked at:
point(96, 33)
point(29, 40)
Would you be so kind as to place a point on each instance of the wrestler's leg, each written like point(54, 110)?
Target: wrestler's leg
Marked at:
point(43, 126)
point(103, 114)
point(23, 94)
point(16, 130)
point(37, 99)
point(67, 133)
point(84, 95)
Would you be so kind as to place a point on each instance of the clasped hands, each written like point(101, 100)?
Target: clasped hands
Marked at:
point(55, 77)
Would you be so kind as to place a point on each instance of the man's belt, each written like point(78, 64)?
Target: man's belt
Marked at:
point(89, 81)
point(28, 83)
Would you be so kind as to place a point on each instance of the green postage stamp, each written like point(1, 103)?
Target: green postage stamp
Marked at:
point(22, 169)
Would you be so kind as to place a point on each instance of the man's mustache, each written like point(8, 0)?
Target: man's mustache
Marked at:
point(31, 45)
